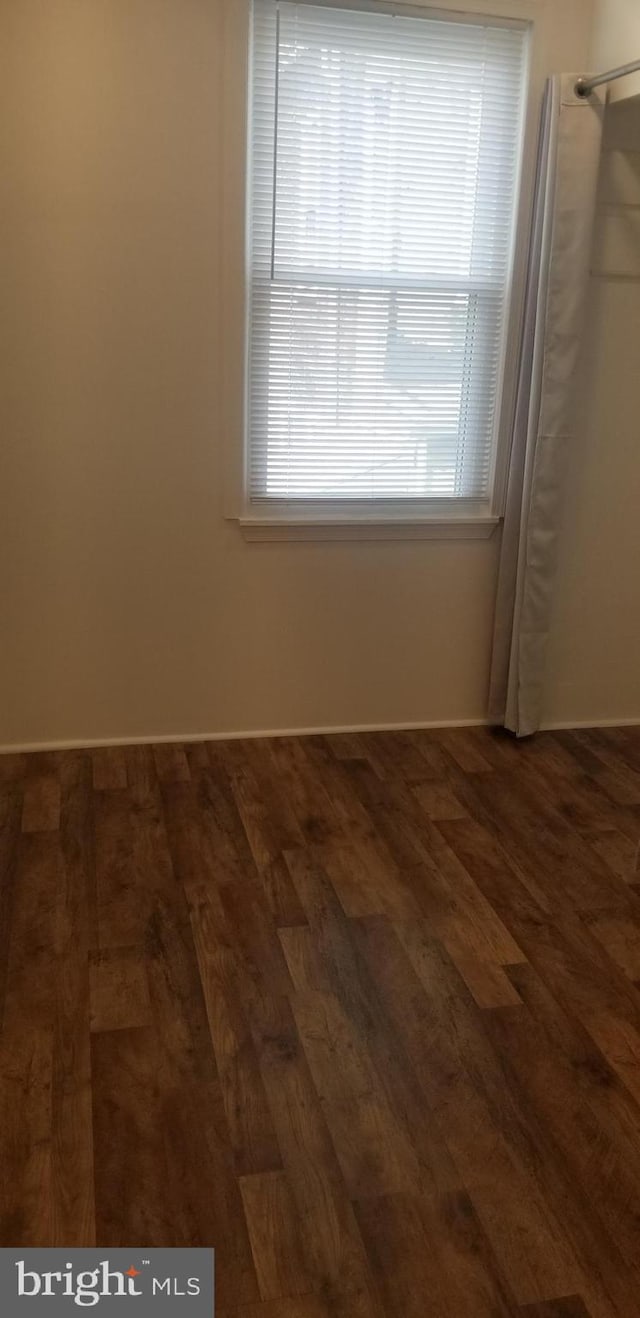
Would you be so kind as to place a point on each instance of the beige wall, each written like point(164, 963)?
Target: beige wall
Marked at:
point(129, 606)
point(594, 659)
point(616, 41)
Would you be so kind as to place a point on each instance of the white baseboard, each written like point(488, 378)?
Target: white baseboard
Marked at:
point(591, 723)
point(19, 748)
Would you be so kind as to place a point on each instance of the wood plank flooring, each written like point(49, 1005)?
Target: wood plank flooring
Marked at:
point(362, 1012)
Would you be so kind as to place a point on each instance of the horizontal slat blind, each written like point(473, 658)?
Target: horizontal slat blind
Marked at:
point(383, 166)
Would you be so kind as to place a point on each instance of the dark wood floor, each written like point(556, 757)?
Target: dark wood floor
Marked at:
point(362, 1012)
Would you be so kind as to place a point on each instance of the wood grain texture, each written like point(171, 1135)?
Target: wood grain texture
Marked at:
point(361, 1012)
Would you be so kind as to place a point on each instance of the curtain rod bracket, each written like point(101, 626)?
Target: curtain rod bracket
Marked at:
point(585, 86)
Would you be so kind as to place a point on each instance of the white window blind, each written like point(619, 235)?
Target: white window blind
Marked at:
point(384, 154)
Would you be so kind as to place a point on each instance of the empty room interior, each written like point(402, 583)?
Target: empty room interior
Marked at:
point(320, 658)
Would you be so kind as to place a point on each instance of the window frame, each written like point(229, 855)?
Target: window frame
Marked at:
point(384, 519)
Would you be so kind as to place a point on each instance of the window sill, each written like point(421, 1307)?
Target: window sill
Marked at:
point(434, 528)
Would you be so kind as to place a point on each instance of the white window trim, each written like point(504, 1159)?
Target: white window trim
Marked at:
point(372, 528)
point(392, 523)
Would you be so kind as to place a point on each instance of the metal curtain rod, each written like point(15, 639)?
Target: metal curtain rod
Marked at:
point(585, 86)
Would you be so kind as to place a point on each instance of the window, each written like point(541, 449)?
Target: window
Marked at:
point(384, 158)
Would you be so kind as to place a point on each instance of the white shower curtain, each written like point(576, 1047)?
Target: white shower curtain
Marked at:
point(568, 159)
